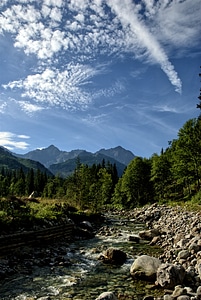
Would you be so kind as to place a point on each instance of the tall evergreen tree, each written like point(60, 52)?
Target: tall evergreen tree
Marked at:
point(161, 175)
point(134, 188)
point(186, 164)
point(29, 182)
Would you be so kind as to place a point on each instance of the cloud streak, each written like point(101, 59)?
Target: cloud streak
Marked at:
point(147, 41)
point(13, 141)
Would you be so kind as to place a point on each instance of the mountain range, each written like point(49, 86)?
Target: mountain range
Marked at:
point(54, 161)
point(64, 162)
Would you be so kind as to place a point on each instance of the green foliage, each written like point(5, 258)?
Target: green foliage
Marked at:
point(186, 157)
point(196, 199)
point(161, 175)
point(134, 188)
point(91, 187)
point(17, 214)
point(43, 211)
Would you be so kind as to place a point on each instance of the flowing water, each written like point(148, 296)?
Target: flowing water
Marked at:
point(86, 277)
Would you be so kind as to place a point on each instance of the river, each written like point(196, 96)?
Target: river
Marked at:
point(86, 277)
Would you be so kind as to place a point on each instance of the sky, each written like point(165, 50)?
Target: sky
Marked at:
point(93, 74)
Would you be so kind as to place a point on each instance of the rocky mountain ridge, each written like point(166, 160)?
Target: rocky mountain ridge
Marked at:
point(64, 162)
point(52, 155)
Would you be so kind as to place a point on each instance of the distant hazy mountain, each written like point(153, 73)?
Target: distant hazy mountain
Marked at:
point(66, 168)
point(52, 155)
point(118, 153)
point(11, 162)
point(63, 162)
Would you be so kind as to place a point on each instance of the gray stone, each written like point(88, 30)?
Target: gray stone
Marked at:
point(183, 297)
point(199, 268)
point(167, 297)
point(183, 254)
point(107, 296)
point(169, 275)
point(198, 292)
point(113, 256)
point(145, 266)
point(194, 247)
point(178, 291)
point(149, 234)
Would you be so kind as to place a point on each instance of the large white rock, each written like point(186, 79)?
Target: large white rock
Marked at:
point(106, 296)
point(145, 267)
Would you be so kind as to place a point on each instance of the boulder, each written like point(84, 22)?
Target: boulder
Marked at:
point(168, 275)
point(106, 296)
point(113, 256)
point(83, 233)
point(145, 267)
point(199, 268)
point(134, 238)
point(149, 234)
point(86, 225)
point(183, 254)
point(198, 293)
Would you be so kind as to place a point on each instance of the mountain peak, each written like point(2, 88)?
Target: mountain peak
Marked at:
point(52, 155)
point(52, 147)
point(119, 153)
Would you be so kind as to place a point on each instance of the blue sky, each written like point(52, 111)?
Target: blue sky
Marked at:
point(92, 74)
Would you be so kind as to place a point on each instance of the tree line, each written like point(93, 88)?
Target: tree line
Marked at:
point(87, 187)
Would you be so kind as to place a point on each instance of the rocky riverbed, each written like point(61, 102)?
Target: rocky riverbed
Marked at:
point(172, 273)
point(178, 233)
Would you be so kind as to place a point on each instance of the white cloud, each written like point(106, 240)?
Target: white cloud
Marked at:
point(54, 3)
point(94, 120)
point(3, 3)
point(30, 108)
point(45, 10)
point(179, 23)
point(80, 17)
point(13, 141)
point(116, 88)
point(54, 87)
point(166, 108)
point(147, 42)
point(3, 107)
point(55, 14)
point(22, 136)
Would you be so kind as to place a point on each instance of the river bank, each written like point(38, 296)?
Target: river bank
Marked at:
point(72, 270)
point(177, 231)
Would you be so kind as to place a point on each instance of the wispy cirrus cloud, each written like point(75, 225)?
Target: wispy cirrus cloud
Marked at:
point(13, 141)
point(30, 108)
point(175, 23)
point(56, 88)
point(148, 44)
point(166, 108)
point(3, 107)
